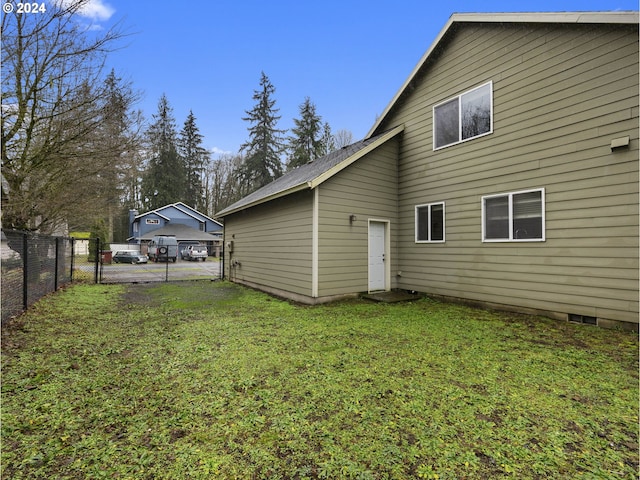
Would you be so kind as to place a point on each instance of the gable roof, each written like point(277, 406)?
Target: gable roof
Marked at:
point(311, 174)
point(457, 19)
point(182, 207)
point(192, 212)
point(151, 212)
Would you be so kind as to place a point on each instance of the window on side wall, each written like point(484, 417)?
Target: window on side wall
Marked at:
point(514, 217)
point(462, 118)
point(430, 222)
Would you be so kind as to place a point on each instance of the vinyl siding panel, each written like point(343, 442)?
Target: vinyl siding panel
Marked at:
point(561, 93)
point(367, 189)
point(272, 242)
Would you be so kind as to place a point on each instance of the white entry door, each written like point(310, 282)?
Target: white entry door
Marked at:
point(377, 254)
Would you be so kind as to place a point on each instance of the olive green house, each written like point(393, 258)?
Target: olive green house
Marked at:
point(503, 173)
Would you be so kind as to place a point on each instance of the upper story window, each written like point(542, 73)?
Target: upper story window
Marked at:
point(464, 117)
point(517, 217)
point(430, 222)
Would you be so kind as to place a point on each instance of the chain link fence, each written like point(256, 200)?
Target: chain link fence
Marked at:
point(130, 264)
point(33, 265)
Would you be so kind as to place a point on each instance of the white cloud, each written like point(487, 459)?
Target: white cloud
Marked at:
point(219, 151)
point(96, 10)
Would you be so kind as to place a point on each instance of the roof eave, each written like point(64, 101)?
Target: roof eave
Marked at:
point(282, 193)
point(192, 212)
point(320, 178)
point(152, 212)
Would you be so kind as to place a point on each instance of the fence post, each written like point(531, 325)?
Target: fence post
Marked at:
point(97, 259)
point(73, 257)
point(56, 274)
point(25, 270)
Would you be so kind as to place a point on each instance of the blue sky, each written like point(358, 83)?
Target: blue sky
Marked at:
point(349, 57)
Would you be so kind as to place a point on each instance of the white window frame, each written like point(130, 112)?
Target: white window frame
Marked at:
point(152, 221)
point(429, 206)
point(459, 98)
point(510, 196)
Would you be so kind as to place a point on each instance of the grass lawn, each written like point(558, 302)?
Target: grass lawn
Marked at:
point(200, 380)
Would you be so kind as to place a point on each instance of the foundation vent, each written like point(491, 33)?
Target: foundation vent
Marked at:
point(586, 319)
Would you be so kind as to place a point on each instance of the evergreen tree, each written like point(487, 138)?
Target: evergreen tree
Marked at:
point(164, 180)
point(118, 135)
point(265, 145)
point(305, 144)
point(123, 124)
point(195, 158)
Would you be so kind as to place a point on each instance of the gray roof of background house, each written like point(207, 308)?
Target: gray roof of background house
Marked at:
point(181, 232)
point(307, 176)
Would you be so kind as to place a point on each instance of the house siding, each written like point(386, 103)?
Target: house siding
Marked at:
point(273, 244)
point(367, 189)
point(561, 94)
point(144, 227)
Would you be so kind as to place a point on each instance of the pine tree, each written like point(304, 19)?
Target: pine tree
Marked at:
point(265, 145)
point(195, 159)
point(165, 179)
point(305, 144)
point(119, 141)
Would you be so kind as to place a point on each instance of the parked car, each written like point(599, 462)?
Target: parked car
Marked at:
point(130, 256)
point(185, 243)
point(194, 252)
point(163, 247)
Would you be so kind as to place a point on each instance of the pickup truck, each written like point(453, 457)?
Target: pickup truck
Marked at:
point(194, 252)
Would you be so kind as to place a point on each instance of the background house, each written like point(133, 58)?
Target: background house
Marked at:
point(504, 173)
point(176, 219)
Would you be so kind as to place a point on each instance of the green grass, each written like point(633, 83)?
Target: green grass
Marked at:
point(202, 380)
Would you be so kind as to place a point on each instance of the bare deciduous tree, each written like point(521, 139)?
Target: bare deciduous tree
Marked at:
point(53, 94)
point(342, 138)
point(221, 183)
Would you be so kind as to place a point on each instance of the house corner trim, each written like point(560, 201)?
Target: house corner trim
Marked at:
point(314, 243)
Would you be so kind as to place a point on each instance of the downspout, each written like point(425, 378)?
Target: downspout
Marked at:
point(224, 239)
